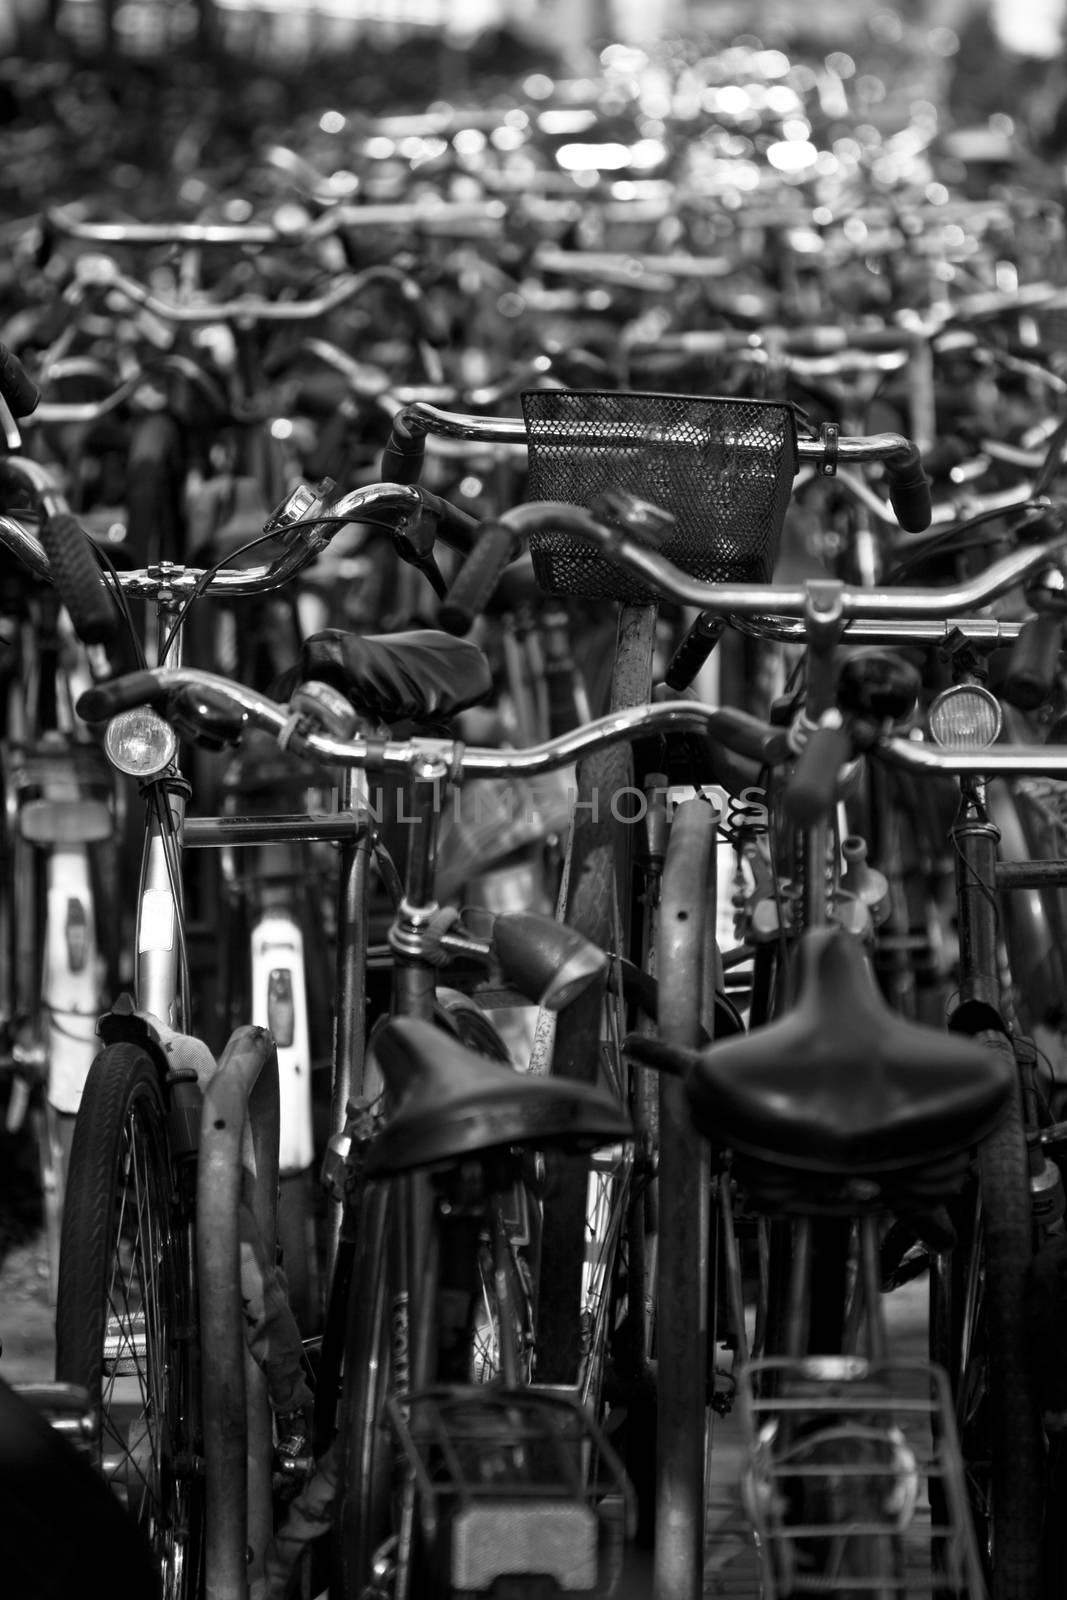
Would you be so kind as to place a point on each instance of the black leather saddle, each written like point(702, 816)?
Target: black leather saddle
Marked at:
point(451, 1102)
point(421, 676)
point(842, 1083)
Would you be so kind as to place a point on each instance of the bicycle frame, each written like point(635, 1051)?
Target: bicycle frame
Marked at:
point(59, 806)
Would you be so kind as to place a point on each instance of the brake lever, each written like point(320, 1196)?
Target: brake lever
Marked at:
point(415, 539)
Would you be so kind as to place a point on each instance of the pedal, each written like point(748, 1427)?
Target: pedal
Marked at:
point(66, 1407)
point(292, 1453)
point(125, 1345)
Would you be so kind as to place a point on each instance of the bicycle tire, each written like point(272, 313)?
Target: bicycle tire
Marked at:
point(598, 906)
point(78, 580)
point(978, 1332)
point(365, 1512)
point(122, 1284)
point(371, 1517)
point(155, 478)
point(459, 1014)
point(686, 971)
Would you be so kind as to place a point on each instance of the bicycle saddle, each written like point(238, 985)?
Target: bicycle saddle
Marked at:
point(424, 675)
point(451, 1102)
point(841, 1082)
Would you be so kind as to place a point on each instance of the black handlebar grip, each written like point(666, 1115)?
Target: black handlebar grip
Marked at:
point(456, 528)
point(747, 736)
point(16, 385)
point(1033, 664)
point(909, 491)
point(76, 574)
point(106, 700)
point(402, 457)
point(812, 786)
point(690, 655)
point(478, 577)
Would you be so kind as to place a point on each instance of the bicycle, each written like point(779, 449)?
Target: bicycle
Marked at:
point(452, 1113)
point(138, 1277)
point(57, 839)
point(980, 1097)
point(124, 1097)
point(824, 1415)
point(414, 1137)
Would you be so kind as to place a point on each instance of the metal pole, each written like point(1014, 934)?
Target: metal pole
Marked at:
point(684, 961)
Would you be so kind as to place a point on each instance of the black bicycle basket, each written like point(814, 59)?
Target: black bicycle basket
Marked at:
point(723, 468)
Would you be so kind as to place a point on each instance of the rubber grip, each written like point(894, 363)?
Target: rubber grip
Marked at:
point(909, 491)
point(16, 385)
point(1033, 664)
point(402, 457)
point(106, 700)
point(745, 735)
point(689, 657)
point(456, 528)
point(76, 574)
point(478, 577)
point(812, 786)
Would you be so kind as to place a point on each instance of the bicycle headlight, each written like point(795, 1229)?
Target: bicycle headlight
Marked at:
point(140, 742)
point(966, 717)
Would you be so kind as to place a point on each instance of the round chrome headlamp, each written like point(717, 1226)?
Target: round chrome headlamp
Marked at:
point(965, 717)
point(140, 742)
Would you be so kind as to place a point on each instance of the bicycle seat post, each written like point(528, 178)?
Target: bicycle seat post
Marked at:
point(823, 620)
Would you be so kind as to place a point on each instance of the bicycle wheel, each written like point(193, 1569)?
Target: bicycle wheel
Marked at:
point(122, 1317)
point(363, 1511)
point(481, 1299)
point(592, 1263)
point(978, 1334)
point(671, 1502)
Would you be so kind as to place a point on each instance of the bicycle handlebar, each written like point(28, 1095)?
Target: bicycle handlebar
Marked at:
point(302, 544)
point(425, 216)
point(157, 686)
point(831, 340)
point(909, 490)
point(915, 607)
point(734, 731)
point(174, 364)
point(248, 308)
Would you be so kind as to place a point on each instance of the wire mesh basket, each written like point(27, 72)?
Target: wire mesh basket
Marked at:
point(723, 468)
point(854, 1481)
